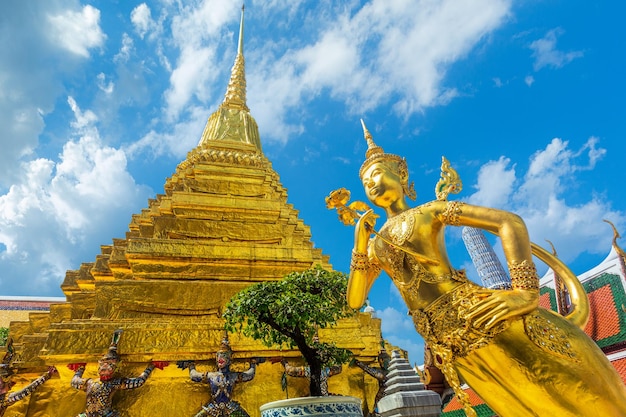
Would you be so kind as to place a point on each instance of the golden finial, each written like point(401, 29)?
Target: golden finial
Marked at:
point(449, 181)
point(232, 121)
point(616, 236)
point(375, 153)
point(240, 46)
point(236, 91)
point(552, 246)
point(560, 288)
point(372, 148)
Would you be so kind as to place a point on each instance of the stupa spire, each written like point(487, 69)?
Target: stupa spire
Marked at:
point(232, 121)
point(240, 47)
point(236, 91)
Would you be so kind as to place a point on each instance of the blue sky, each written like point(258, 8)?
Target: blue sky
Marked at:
point(100, 100)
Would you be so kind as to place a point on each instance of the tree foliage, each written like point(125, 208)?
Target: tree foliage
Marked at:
point(289, 312)
point(4, 334)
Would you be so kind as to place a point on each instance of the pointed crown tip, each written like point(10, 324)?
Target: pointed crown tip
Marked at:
point(375, 153)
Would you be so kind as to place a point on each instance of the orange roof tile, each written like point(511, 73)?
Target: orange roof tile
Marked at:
point(603, 317)
point(544, 301)
point(455, 404)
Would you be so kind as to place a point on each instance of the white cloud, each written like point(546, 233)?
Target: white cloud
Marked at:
point(365, 58)
point(495, 183)
point(196, 34)
point(49, 220)
point(386, 52)
point(547, 55)
point(141, 17)
point(393, 321)
point(77, 31)
point(192, 70)
point(35, 47)
point(106, 87)
point(398, 329)
point(529, 80)
point(177, 140)
point(125, 51)
point(542, 198)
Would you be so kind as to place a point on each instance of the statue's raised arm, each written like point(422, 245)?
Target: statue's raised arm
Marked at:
point(519, 358)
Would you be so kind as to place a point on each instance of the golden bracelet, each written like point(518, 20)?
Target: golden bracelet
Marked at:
point(524, 275)
point(452, 212)
point(359, 261)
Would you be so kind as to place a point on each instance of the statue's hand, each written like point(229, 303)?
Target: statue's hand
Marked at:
point(364, 228)
point(184, 364)
point(368, 220)
point(52, 370)
point(500, 305)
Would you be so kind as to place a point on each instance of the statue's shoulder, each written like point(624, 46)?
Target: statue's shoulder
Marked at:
point(429, 207)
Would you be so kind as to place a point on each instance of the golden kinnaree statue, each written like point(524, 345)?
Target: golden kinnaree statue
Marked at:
point(522, 360)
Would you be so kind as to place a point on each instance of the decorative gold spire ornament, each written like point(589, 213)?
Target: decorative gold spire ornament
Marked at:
point(232, 121)
point(559, 288)
point(616, 236)
point(235, 97)
point(450, 181)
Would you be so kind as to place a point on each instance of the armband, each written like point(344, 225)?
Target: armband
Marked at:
point(359, 261)
point(524, 276)
point(452, 212)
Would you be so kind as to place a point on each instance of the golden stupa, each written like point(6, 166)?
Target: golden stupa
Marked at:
point(222, 224)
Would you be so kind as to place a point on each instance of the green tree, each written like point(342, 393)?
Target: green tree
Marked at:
point(289, 312)
point(4, 334)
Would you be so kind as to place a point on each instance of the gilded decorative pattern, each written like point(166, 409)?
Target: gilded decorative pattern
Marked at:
point(452, 212)
point(444, 322)
point(337, 409)
point(252, 159)
point(548, 336)
point(359, 261)
point(400, 227)
point(524, 275)
point(450, 182)
point(450, 335)
point(398, 260)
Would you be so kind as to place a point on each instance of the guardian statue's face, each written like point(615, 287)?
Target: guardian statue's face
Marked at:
point(223, 360)
point(106, 368)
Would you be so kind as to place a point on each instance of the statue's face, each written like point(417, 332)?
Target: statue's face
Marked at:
point(382, 184)
point(223, 360)
point(106, 368)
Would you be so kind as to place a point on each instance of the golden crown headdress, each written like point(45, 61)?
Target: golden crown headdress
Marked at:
point(112, 354)
point(375, 153)
point(225, 345)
